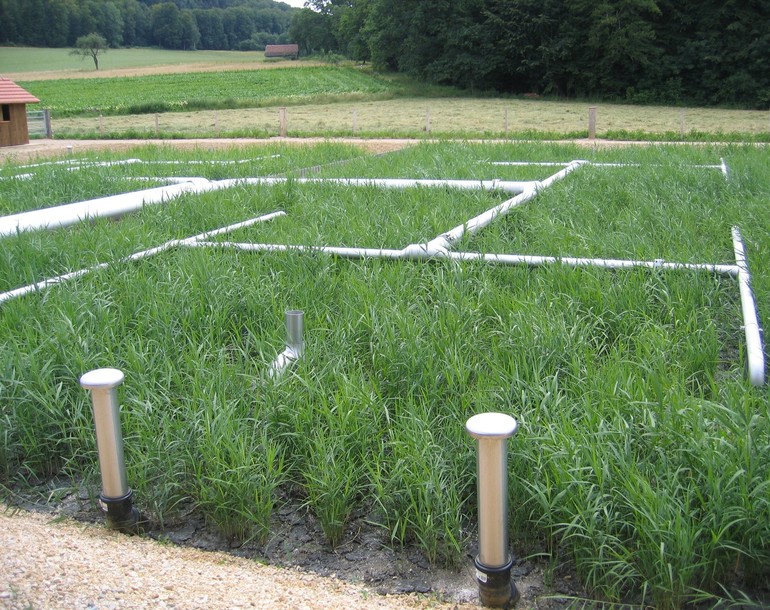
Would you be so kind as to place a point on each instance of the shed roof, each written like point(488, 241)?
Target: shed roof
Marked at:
point(11, 93)
point(281, 49)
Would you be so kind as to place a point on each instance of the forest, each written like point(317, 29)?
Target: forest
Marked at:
point(704, 52)
point(185, 24)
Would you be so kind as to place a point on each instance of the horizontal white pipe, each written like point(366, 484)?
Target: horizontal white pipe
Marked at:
point(335, 250)
point(41, 285)
point(605, 263)
point(506, 259)
point(117, 205)
point(754, 350)
point(509, 186)
point(114, 205)
point(721, 166)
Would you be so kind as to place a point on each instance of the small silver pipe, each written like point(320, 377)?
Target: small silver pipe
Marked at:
point(103, 384)
point(116, 498)
point(295, 343)
point(295, 330)
point(494, 560)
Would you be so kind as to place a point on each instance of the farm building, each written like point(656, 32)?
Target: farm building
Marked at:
point(282, 50)
point(13, 121)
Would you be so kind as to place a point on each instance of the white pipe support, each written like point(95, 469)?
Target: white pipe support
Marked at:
point(724, 168)
point(103, 385)
point(755, 354)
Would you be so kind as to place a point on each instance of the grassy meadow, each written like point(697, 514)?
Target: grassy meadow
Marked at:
point(643, 458)
point(34, 63)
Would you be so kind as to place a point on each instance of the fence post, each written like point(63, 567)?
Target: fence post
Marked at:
point(427, 121)
point(47, 119)
point(216, 122)
point(283, 122)
point(157, 125)
point(506, 122)
point(101, 125)
point(355, 121)
point(592, 123)
point(681, 123)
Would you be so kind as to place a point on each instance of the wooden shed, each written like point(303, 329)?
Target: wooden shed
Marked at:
point(282, 50)
point(13, 119)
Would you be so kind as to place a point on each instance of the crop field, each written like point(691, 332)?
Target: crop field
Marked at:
point(643, 456)
point(37, 63)
point(175, 92)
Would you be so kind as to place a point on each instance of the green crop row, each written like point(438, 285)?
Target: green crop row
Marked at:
point(643, 457)
point(201, 90)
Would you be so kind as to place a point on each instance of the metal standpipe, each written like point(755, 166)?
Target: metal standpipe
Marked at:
point(494, 560)
point(116, 496)
point(295, 330)
point(295, 343)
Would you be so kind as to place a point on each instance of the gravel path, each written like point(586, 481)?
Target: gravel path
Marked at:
point(66, 564)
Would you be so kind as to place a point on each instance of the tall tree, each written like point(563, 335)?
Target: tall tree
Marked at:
point(109, 23)
point(190, 34)
point(91, 45)
point(166, 25)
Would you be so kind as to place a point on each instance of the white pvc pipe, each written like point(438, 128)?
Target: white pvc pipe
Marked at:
point(114, 205)
point(510, 186)
point(333, 250)
point(448, 239)
point(59, 279)
point(117, 205)
point(755, 354)
point(605, 263)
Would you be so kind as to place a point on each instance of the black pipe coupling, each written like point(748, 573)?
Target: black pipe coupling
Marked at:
point(121, 514)
point(496, 588)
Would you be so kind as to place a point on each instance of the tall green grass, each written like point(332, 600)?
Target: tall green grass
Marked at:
point(643, 460)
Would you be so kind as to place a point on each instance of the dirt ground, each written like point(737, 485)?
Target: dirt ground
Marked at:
point(59, 554)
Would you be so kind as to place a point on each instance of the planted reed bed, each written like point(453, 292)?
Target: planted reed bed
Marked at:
point(643, 460)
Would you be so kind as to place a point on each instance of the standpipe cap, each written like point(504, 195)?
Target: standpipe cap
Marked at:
point(102, 379)
point(491, 426)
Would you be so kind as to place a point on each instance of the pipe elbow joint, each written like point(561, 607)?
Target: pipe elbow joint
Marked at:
point(423, 251)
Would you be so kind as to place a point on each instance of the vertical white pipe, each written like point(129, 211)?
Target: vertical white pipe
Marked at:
point(103, 385)
point(755, 354)
point(491, 431)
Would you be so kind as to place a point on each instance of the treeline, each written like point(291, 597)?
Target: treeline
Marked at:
point(705, 52)
point(183, 24)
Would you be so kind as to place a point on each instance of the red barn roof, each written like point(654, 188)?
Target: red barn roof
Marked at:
point(281, 50)
point(11, 93)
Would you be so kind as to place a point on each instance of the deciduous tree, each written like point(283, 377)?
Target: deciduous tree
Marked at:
point(91, 45)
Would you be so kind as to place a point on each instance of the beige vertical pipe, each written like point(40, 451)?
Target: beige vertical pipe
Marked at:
point(592, 123)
